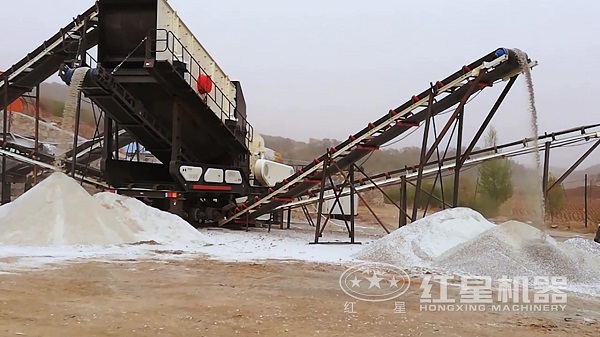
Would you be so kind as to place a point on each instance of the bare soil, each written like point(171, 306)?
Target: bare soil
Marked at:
point(209, 298)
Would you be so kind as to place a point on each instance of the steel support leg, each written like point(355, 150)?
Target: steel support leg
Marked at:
point(116, 139)
point(336, 202)
point(337, 198)
point(423, 160)
point(280, 214)
point(458, 165)
point(585, 201)
point(5, 184)
point(321, 195)
point(402, 214)
point(107, 146)
point(546, 172)
point(36, 137)
point(352, 206)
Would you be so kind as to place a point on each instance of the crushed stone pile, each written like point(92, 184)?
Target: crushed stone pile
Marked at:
point(584, 244)
point(58, 211)
point(419, 243)
point(149, 223)
point(516, 249)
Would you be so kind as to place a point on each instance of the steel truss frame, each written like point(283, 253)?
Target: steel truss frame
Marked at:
point(411, 175)
point(457, 88)
point(77, 160)
point(455, 120)
point(70, 44)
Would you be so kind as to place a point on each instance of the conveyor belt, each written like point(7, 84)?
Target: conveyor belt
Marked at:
point(101, 87)
point(408, 170)
point(25, 159)
point(85, 153)
point(458, 87)
point(45, 60)
point(525, 146)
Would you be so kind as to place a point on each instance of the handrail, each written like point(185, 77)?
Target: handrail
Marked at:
point(172, 44)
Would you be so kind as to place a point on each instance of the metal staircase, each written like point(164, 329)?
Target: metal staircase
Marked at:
point(455, 89)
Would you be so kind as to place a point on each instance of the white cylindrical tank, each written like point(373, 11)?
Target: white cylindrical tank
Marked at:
point(269, 173)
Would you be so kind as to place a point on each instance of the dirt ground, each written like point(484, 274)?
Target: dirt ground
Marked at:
point(209, 298)
point(203, 297)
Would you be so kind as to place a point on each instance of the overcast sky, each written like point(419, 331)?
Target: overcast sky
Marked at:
point(325, 68)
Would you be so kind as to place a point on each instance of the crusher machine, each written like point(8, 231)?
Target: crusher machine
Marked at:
point(156, 81)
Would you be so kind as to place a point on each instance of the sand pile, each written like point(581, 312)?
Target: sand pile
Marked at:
point(518, 249)
point(418, 243)
point(58, 211)
point(148, 223)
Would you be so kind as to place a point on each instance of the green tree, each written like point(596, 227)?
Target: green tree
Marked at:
point(495, 184)
point(556, 198)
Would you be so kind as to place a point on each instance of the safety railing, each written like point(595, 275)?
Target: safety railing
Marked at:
point(163, 43)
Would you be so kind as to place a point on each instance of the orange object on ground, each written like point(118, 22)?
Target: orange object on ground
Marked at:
point(16, 106)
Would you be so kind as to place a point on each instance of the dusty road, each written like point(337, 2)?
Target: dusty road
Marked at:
point(208, 298)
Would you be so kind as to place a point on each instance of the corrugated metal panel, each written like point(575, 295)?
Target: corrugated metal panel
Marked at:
point(169, 20)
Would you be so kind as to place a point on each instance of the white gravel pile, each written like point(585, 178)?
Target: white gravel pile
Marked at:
point(149, 223)
point(418, 243)
point(584, 244)
point(58, 211)
point(516, 249)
